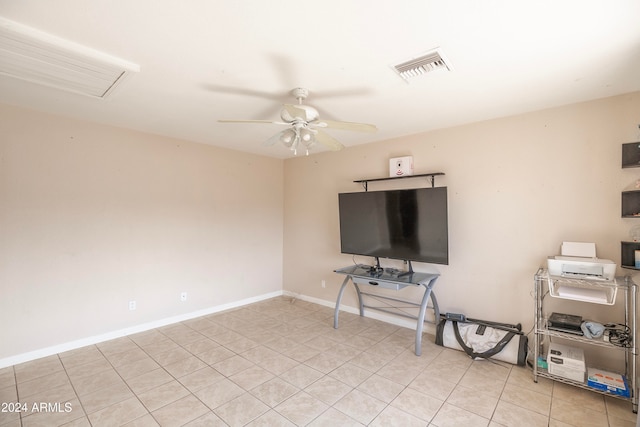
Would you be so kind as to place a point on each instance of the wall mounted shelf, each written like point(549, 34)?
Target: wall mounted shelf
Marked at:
point(627, 254)
point(431, 176)
point(631, 204)
point(631, 155)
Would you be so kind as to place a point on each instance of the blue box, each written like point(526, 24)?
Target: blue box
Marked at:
point(608, 382)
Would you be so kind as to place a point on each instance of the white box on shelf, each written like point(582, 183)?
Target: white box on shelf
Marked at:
point(566, 362)
point(401, 166)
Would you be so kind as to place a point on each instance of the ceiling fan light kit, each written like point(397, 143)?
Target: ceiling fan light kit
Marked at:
point(305, 126)
point(292, 138)
point(287, 137)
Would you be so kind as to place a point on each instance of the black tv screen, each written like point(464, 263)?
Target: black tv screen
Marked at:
point(399, 224)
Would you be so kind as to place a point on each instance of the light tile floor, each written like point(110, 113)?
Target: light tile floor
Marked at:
point(281, 363)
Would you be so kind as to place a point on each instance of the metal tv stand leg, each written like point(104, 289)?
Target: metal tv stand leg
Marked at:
point(337, 310)
point(423, 308)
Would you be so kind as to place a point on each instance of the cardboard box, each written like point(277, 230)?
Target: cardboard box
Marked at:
point(608, 381)
point(566, 362)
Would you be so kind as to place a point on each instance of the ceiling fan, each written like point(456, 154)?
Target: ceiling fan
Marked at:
point(305, 128)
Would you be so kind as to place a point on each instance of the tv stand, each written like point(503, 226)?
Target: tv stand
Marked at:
point(394, 279)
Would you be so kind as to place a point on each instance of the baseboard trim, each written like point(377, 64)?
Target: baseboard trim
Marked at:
point(61, 348)
point(73, 345)
point(429, 328)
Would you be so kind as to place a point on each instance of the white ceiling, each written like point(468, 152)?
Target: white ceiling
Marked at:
point(204, 60)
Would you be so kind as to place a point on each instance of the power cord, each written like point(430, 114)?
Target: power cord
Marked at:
point(618, 335)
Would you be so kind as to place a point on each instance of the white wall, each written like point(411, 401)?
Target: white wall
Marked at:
point(517, 186)
point(92, 217)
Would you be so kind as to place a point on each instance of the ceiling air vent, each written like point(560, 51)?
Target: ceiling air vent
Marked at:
point(32, 55)
point(430, 61)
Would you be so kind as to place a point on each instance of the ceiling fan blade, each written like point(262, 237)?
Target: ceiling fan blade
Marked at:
point(244, 121)
point(271, 122)
point(243, 91)
point(361, 91)
point(357, 127)
point(328, 141)
point(274, 139)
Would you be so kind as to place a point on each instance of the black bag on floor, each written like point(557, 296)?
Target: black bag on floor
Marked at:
point(483, 339)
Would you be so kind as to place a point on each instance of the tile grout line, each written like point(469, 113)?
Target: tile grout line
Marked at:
point(123, 380)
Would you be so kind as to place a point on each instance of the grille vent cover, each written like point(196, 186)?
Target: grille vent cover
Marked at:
point(430, 61)
point(38, 57)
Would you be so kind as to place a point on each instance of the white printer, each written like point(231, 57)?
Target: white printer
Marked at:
point(578, 263)
point(581, 268)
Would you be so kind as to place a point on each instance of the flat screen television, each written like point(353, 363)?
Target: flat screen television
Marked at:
point(407, 225)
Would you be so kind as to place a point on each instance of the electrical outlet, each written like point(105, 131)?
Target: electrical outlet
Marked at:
point(183, 296)
point(324, 283)
point(132, 305)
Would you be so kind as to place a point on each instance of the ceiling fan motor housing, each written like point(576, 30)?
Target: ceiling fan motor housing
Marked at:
point(294, 113)
point(300, 93)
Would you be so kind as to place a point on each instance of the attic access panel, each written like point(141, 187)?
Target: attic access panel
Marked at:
point(38, 57)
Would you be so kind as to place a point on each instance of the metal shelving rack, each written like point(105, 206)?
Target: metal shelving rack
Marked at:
point(541, 331)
